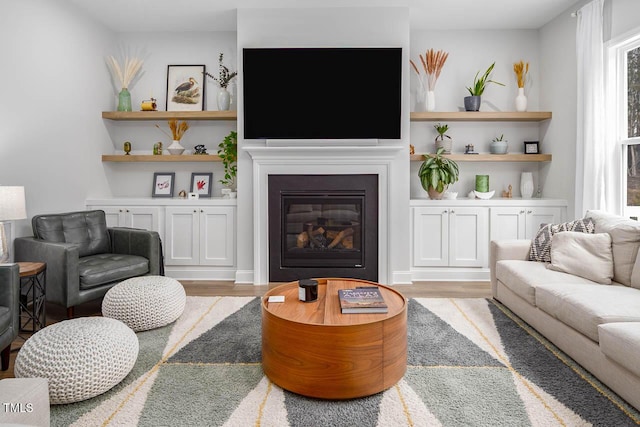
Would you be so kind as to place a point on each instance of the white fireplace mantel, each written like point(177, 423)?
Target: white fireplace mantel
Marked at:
point(319, 160)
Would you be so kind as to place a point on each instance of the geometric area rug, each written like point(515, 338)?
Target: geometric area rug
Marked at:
point(470, 362)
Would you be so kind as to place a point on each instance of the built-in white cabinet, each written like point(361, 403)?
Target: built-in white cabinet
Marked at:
point(521, 222)
point(200, 235)
point(145, 217)
point(450, 236)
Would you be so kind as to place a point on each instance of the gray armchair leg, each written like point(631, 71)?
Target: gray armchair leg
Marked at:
point(70, 313)
point(6, 354)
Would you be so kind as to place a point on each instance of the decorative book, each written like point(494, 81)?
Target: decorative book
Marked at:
point(362, 300)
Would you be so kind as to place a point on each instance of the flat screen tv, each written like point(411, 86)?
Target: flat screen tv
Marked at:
point(322, 93)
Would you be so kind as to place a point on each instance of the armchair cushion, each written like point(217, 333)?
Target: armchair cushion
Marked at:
point(5, 319)
point(86, 229)
point(96, 270)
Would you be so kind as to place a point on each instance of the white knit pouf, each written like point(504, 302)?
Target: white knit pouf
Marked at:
point(145, 302)
point(81, 358)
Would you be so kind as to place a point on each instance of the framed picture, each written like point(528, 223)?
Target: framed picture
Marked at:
point(531, 147)
point(185, 87)
point(163, 183)
point(201, 183)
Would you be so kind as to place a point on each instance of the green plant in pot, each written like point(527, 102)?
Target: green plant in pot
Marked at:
point(228, 153)
point(443, 140)
point(437, 173)
point(499, 145)
point(472, 103)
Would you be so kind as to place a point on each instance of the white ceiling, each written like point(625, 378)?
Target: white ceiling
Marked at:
point(220, 15)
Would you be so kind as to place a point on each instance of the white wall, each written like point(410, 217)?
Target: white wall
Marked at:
point(52, 135)
point(328, 27)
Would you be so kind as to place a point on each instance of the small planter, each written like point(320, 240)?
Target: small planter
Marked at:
point(434, 194)
point(472, 103)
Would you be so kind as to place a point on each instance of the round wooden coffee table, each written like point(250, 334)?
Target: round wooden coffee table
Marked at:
point(312, 349)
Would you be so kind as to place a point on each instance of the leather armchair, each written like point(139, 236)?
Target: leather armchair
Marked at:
point(9, 309)
point(85, 258)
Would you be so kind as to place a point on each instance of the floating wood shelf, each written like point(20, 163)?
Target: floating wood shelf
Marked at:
point(162, 158)
point(166, 115)
point(517, 157)
point(481, 116)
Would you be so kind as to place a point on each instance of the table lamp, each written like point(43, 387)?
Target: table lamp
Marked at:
point(12, 207)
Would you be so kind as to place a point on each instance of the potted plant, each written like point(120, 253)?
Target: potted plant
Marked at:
point(472, 103)
point(443, 140)
point(499, 145)
point(228, 153)
point(437, 173)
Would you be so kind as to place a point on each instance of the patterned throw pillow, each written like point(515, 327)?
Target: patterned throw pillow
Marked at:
point(541, 243)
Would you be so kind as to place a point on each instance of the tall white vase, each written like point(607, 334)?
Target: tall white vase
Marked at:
point(431, 100)
point(521, 100)
point(224, 99)
point(526, 185)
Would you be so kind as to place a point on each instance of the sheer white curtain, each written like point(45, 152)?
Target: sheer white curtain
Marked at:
point(591, 152)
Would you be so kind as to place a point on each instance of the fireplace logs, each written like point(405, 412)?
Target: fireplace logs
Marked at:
point(317, 238)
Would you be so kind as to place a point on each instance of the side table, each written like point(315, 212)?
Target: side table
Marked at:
point(32, 296)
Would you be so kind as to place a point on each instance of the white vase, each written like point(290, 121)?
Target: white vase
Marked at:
point(224, 99)
point(175, 148)
point(431, 100)
point(521, 100)
point(526, 185)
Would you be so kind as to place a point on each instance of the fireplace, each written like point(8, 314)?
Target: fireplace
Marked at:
point(323, 226)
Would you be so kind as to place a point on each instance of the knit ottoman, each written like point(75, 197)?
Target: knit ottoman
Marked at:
point(145, 302)
point(81, 358)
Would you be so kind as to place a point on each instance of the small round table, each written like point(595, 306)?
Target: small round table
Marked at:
point(312, 349)
point(33, 309)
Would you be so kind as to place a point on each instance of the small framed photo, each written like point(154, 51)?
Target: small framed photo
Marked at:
point(201, 183)
point(163, 183)
point(185, 87)
point(531, 147)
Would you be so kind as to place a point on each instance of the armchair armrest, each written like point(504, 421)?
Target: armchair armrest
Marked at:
point(506, 249)
point(10, 296)
point(134, 241)
point(63, 277)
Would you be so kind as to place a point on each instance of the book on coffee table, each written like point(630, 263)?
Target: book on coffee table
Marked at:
point(362, 300)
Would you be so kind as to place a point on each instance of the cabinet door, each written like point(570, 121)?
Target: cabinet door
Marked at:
point(217, 236)
point(182, 242)
point(144, 217)
point(430, 237)
point(115, 215)
point(468, 237)
point(541, 215)
point(507, 223)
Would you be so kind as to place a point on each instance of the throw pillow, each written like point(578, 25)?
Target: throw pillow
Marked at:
point(581, 254)
point(541, 243)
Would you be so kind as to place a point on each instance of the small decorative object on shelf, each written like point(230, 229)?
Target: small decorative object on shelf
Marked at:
point(436, 173)
point(508, 194)
point(157, 148)
point(522, 71)
point(123, 78)
point(178, 128)
point(531, 147)
point(200, 149)
point(228, 153)
point(182, 194)
point(469, 149)
point(482, 183)
point(472, 103)
point(499, 145)
point(149, 105)
point(127, 148)
point(526, 185)
point(224, 78)
point(412, 149)
point(432, 62)
point(440, 139)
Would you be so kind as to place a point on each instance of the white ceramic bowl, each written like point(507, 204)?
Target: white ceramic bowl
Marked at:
point(450, 195)
point(484, 196)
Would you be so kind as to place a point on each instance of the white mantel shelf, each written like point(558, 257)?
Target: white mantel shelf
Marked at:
point(162, 201)
point(315, 152)
point(495, 201)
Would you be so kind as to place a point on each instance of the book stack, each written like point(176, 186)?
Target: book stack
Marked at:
point(362, 300)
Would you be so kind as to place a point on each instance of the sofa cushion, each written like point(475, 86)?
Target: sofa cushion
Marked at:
point(621, 342)
point(523, 277)
point(541, 243)
point(96, 270)
point(584, 255)
point(583, 307)
point(625, 241)
point(87, 229)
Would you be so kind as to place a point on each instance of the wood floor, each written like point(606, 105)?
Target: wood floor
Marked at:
point(210, 289)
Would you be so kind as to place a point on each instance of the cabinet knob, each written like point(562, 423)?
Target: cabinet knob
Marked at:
point(452, 211)
point(445, 211)
point(201, 210)
point(522, 211)
point(119, 210)
point(195, 211)
point(529, 211)
point(127, 210)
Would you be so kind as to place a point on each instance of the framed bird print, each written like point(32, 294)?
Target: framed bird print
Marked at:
point(201, 183)
point(185, 87)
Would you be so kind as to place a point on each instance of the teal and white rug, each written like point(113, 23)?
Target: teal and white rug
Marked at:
point(470, 363)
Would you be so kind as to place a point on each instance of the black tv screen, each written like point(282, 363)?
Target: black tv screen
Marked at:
point(322, 93)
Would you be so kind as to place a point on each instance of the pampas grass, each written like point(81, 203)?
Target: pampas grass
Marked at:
point(123, 75)
point(432, 63)
point(521, 69)
point(178, 129)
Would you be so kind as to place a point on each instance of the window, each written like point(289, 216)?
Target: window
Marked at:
point(624, 91)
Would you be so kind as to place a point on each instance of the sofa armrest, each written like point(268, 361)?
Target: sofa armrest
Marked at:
point(10, 298)
point(135, 241)
point(506, 249)
point(63, 277)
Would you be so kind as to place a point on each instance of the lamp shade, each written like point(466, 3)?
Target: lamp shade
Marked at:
point(12, 204)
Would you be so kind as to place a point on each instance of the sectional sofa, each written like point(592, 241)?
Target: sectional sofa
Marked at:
point(585, 299)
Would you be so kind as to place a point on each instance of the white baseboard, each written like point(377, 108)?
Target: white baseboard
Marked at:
point(244, 277)
point(199, 273)
point(401, 278)
point(451, 274)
